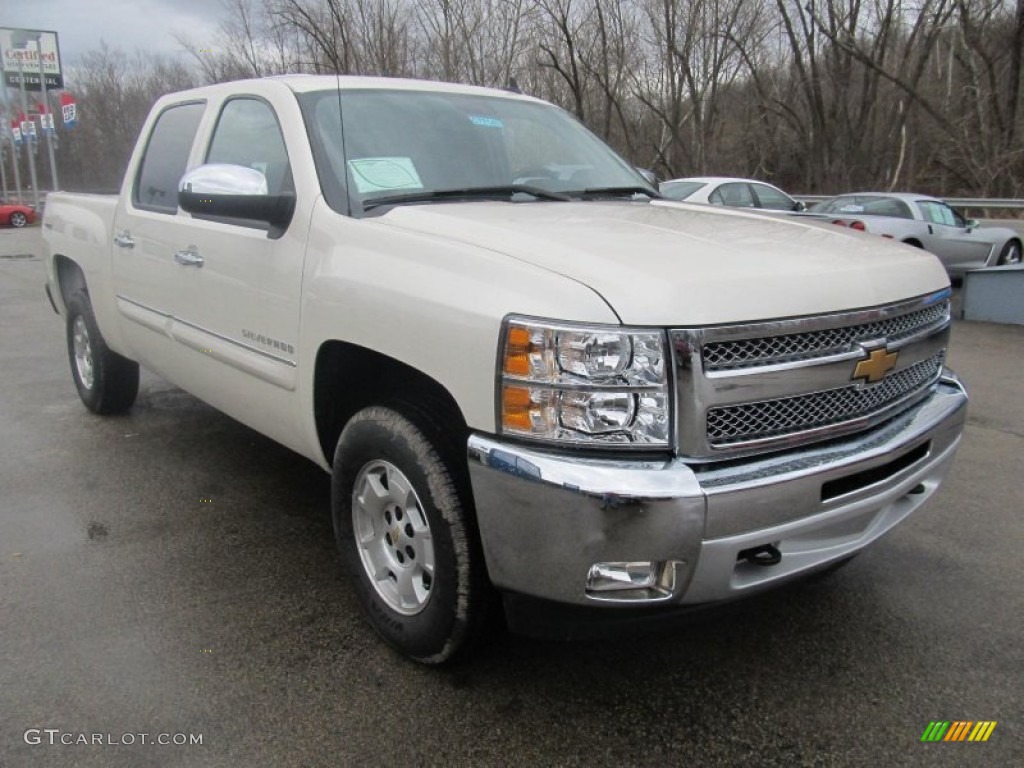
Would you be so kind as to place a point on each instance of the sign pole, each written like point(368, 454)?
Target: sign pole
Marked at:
point(26, 140)
point(15, 161)
point(48, 115)
point(3, 160)
point(15, 149)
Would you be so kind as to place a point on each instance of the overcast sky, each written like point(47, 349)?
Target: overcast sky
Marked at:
point(148, 25)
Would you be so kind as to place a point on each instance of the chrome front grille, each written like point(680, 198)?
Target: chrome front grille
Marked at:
point(770, 350)
point(786, 415)
point(746, 389)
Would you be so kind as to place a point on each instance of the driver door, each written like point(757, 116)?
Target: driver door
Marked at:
point(949, 239)
point(236, 283)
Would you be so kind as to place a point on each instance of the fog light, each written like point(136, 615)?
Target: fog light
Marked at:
point(613, 577)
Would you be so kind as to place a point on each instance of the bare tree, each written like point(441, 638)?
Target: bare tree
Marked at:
point(817, 95)
point(115, 92)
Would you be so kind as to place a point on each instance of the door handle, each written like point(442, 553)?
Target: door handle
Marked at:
point(189, 258)
point(123, 239)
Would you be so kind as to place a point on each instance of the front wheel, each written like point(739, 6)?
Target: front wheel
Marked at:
point(404, 526)
point(1010, 253)
point(107, 382)
point(18, 219)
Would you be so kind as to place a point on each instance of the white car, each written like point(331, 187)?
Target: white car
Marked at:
point(735, 193)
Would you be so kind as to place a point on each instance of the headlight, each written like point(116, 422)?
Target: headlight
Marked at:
point(596, 385)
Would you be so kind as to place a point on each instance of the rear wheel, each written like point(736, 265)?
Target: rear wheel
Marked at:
point(18, 219)
point(404, 525)
point(1011, 253)
point(107, 382)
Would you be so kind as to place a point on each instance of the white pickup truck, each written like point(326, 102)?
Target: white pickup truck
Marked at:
point(538, 387)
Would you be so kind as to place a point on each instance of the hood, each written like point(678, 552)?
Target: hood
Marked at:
point(671, 264)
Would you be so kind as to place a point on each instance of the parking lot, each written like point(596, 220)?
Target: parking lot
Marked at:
point(172, 572)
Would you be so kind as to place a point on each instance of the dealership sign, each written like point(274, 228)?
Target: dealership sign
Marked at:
point(21, 58)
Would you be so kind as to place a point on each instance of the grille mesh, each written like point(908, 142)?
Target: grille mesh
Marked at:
point(774, 418)
point(748, 353)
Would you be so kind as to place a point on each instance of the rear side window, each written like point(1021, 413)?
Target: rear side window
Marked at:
point(887, 206)
point(840, 205)
point(166, 157)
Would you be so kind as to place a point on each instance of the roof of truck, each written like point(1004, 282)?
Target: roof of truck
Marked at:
point(306, 83)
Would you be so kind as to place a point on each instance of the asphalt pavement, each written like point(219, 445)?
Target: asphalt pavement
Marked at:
point(172, 573)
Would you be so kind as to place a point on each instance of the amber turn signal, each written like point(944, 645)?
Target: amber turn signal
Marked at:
point(515, 409)
point(517, 352)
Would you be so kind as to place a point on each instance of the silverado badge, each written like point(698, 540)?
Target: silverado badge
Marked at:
point(878, 363)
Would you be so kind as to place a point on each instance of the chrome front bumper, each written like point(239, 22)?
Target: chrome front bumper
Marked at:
point(546, 518)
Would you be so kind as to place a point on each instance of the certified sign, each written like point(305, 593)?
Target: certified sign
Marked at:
point(21, 58)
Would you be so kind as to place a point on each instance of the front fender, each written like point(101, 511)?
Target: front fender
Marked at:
point(426, 301)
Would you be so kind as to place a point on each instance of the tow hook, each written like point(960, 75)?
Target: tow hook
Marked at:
point(767, 554)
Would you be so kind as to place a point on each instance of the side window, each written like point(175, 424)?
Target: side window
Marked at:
point(928, 211)
point(940, 213)
point(248, 134)
point(958, 220)
point(735, 195)
point(773, 199)
point(166, 157)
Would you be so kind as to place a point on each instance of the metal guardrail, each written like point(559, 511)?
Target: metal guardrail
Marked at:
point(1008, 203)
point(986, 202)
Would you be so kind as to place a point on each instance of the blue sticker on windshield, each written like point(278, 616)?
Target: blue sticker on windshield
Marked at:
point(486, 122)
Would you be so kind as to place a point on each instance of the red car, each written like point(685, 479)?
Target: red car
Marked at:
point(16, 215)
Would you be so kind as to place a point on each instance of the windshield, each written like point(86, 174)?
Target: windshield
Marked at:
point(680, 190)
point(418, 146)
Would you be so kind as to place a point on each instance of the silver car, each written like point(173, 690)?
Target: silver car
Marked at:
point(928, 223)
point(729, 191)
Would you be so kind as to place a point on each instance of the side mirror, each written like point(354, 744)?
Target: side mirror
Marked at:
point(649, 175)
point(800, 206)
point(972, 224)
point(234, 192)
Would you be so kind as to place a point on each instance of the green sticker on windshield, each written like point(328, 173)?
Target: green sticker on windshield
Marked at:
point(384, 174)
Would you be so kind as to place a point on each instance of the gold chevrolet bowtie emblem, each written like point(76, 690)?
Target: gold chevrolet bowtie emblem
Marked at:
point(878, 363)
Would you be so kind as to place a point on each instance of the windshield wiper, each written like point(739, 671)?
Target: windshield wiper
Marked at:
point(614, 192)
point(467, 193)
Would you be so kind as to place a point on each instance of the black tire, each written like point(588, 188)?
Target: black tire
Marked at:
point(18, 219)
point(114, 381)
point(1011, 253)
point(449, 610)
